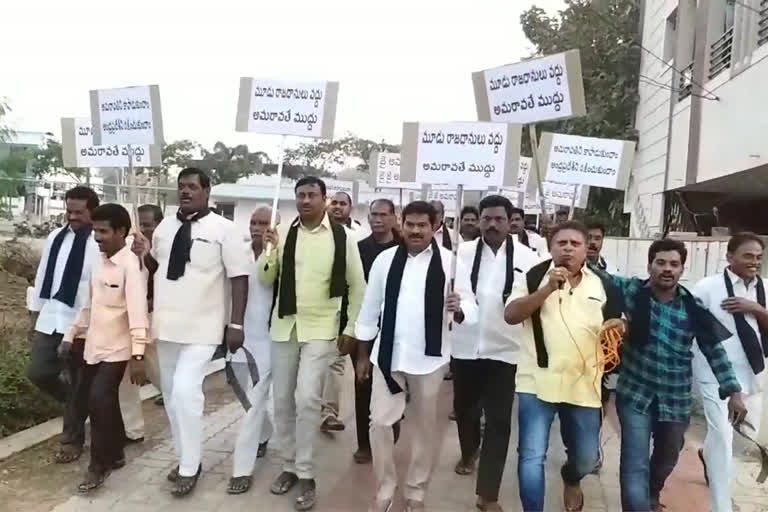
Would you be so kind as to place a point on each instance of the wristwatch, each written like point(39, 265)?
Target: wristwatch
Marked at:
point(138, 358)
point(236, 327)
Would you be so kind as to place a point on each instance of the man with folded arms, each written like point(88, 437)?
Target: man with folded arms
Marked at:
point(407, 290)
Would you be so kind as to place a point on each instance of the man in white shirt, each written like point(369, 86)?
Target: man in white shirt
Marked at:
point(197, 257)
point(532, 240)
point(407, 289)
point(485, 356)
point(443, 234)
point(595, 237)
point(737, 299)
point(256, 427)
point(60, 292)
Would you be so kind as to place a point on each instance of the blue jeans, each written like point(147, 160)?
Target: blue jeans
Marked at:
point(643, 475)
point(580, 430)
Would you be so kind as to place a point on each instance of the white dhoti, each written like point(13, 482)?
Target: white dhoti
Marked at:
point(182, 369)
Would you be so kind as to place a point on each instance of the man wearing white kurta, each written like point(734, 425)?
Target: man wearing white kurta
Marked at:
point(742, 311)
point(407, 289)
point(196, 257)
point(486, 355)
point(256, 427)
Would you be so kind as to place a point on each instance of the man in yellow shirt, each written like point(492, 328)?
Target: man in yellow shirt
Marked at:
point(558, 372)
point(313, 268)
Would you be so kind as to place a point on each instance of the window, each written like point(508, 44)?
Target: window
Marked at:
point(226, 210)
point(670, 37)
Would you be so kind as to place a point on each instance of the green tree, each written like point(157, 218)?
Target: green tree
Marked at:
point(48, 160)
point(228, 164)
point(348, 151)
point(607, 34)
point(6, 133)
point(12, 171)
point(178, 154)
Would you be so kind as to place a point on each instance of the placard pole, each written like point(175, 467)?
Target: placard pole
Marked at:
point(133, 197)
point(276, 199)
point(401, 197)
point(536, 167)
point(455, 241)
point(573, 202)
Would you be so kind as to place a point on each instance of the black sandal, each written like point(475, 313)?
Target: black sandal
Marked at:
point(173, 475)
point(93, 481)
point(262, 451)
point(307, 496)
point(67, 454)
point(186, 484)
point(239, 484)
point(283, 483)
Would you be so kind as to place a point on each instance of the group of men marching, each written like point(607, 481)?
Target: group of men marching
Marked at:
point(525, 317)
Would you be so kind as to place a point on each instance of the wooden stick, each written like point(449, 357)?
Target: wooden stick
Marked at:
point(536, 167)
point(276, 199)
point(573, 202)
point(455, 241)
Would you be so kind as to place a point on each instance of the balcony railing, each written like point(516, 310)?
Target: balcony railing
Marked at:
point(762, 23)
point(720, 54)
point(686, 74)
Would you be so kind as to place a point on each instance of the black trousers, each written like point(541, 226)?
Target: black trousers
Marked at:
point(45, 370)
point(98, 398)
point(484, 385)
point(363, 392)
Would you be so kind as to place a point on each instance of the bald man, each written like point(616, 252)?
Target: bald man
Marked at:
point(256, 427)
point(443, 234)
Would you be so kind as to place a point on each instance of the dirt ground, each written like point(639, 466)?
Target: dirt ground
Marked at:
point(31, 481)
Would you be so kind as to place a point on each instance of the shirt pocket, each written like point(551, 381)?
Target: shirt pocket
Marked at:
point(111, 293)
point(205, 253)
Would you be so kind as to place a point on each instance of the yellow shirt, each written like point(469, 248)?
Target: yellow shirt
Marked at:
point(318, 315)
point(570, 334)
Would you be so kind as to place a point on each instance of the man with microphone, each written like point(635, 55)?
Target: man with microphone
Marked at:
point(563, 306)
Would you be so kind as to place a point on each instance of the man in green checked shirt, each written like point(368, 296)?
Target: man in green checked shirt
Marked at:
point(653, 395)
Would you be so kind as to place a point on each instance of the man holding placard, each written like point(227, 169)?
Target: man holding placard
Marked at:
point(486, 355)
point(313, 267)
point(195, 258)
point(405, 305)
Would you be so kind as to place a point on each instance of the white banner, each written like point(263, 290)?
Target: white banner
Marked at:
point(476, 155)
point(128, 115)
point(562, 194)
point(531, 91)
point(586, 160)
point(78, 149)
point(385, 172)
point(305, 109)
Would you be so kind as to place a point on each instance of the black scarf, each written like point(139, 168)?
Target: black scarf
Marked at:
point(748, 337)
point(73, 270)
point(447, 242)
point(182, 243)
point(522, 237)
point(707, 329)
point(434, 299)
point(287, 302)
point(611, 308)
point(510, 275)
point(601, 263)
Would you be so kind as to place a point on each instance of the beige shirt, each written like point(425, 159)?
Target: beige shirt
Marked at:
point(195, 307)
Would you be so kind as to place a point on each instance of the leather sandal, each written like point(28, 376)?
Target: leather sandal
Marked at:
point(93, 481)
point(239, 484)
point(186, 484)
point(307, 496)
point(68, 453)
point(283, 483)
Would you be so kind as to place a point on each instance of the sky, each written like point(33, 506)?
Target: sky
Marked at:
point(396, 60)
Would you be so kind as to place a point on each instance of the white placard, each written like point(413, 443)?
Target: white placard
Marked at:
point(128, 115)
point(523, 172)
point(562, 194)
point(586, 160)
point(385, 172)
point(531, 91)
point(78, 149)
point(445, 195)
point(476, 155)
point(304, 109)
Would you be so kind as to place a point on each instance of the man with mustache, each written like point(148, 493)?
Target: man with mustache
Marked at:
point(530, 239)
point(468, 221)
point(195, 258)
point(408, 306)
point(557, 372)
point(486, 355)
point(595, 237)
point(60, 292)
point(736, 298)
point(653, 394)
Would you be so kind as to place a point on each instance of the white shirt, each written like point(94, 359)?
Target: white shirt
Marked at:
point(257, 314)
point(56, 316)
point(538, 244)
point(194, 308)
point(492, 338)
point(439, 235)
point(409, 342)
point(711, 290)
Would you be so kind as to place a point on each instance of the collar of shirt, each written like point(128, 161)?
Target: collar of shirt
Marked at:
point(118, 256)
point(324, 224)
point(426, 252)
point(735, 279)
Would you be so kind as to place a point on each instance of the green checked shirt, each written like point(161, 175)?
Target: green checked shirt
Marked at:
point(658, 375)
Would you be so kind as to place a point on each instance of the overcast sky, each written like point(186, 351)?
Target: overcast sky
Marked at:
point(396, 60)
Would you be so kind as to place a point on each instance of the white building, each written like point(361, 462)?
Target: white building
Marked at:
point(702, 116)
